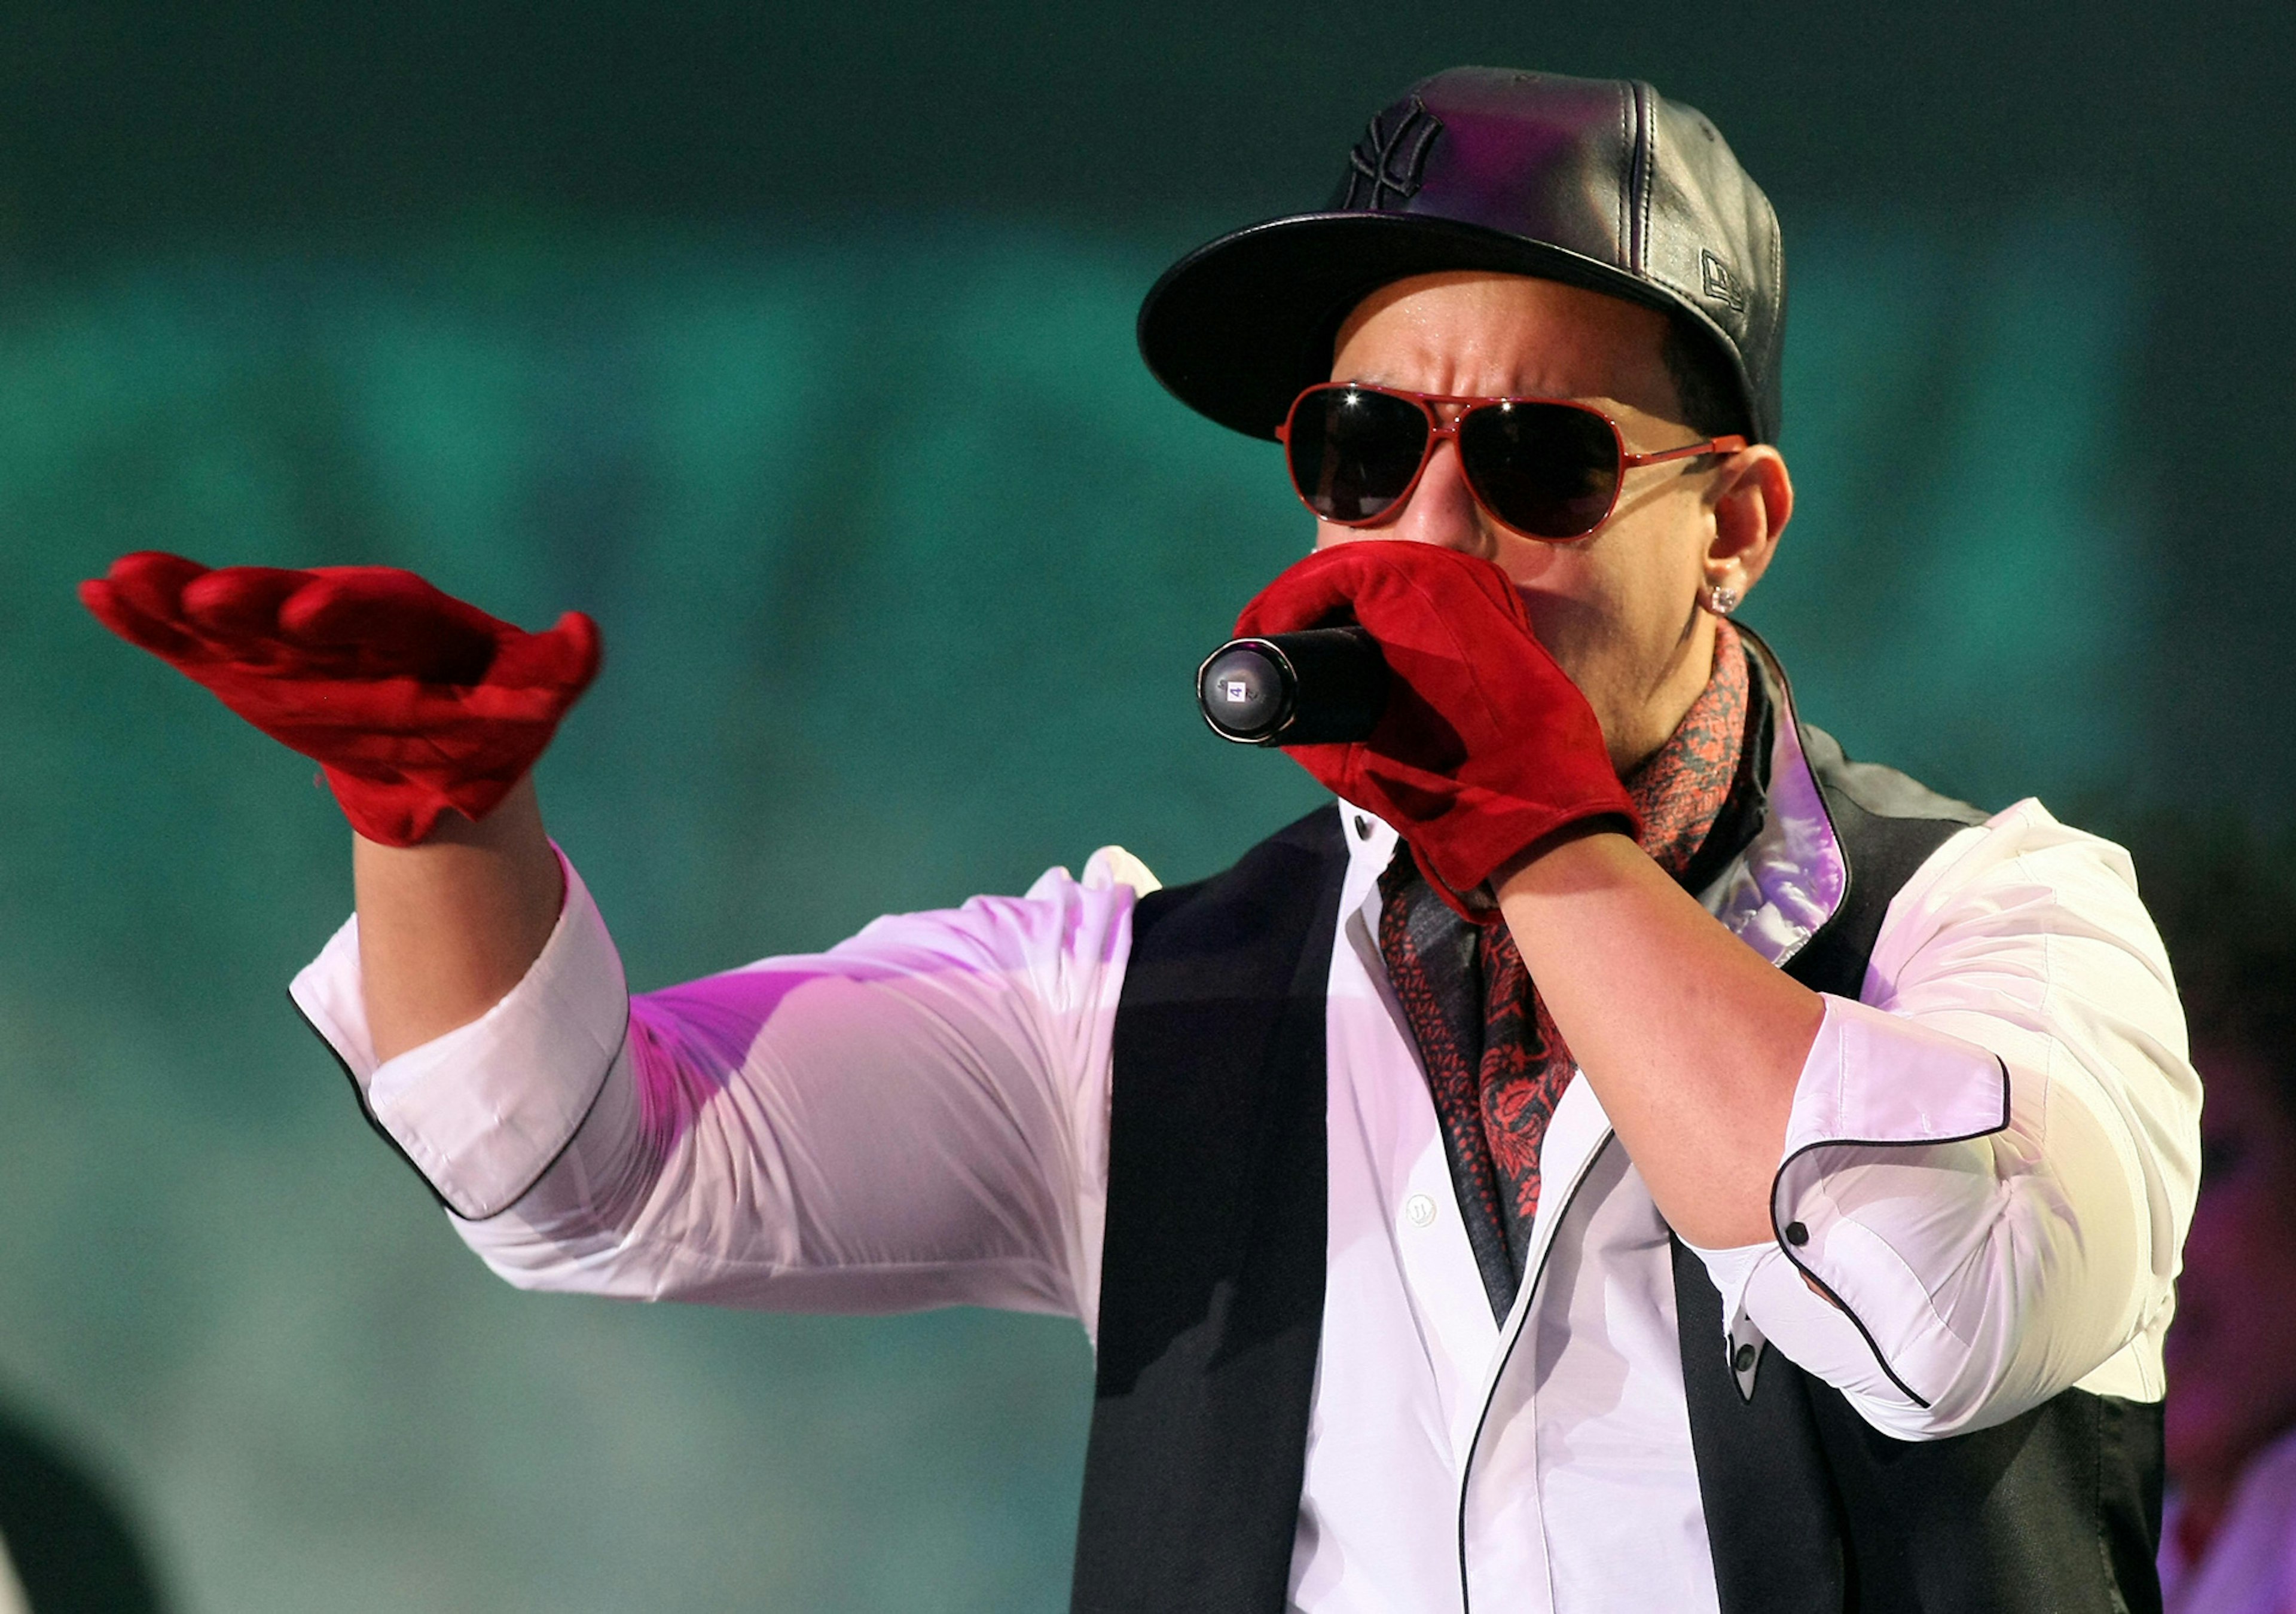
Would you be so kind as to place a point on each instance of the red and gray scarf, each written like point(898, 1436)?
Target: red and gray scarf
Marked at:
point(1495, 1064)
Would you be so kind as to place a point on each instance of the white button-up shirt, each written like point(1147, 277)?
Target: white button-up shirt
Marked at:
point(1990, 1160)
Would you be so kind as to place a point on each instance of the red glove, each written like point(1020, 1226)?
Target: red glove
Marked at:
point(1486, 746)
point(410, 700)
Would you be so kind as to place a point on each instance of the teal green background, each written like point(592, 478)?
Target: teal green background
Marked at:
point(817, 388)
point(903, 564)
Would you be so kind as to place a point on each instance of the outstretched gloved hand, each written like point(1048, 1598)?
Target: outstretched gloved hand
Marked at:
point(411, 702)
point(1486, 747)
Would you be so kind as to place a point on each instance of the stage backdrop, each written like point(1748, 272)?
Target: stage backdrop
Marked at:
point(794, 343)
point(903, 565)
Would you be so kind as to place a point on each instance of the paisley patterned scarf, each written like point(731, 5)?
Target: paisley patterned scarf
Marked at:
point(1495, 1064)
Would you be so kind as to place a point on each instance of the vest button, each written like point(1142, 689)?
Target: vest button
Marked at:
point(1363, 827)
point(1420, 1209)
point(1743, 1358)
point(1797, 1234)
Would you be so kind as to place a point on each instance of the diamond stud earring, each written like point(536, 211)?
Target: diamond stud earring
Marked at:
point(1719, 600)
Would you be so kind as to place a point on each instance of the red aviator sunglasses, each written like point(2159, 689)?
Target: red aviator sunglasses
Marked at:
point(1542, 468)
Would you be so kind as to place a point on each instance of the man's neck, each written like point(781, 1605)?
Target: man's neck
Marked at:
point(1641, 735)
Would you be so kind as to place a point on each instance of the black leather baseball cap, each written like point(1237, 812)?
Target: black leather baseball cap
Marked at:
point(1599, 183)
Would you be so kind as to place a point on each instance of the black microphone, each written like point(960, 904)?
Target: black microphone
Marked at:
point(1323, 686)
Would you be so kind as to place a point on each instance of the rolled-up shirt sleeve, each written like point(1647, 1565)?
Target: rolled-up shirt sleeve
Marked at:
point(482, 1111)
point(1991, 1161)
point(915, 1118)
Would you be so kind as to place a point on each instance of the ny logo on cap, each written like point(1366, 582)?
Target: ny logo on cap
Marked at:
point(1384, 170)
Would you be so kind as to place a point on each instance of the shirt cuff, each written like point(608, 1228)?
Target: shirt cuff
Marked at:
point(482, 1111)
point(1883, 1191)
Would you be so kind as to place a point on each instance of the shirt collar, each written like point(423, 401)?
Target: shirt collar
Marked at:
point(1792, 876)
point(1371, 848)
point(1775, 894)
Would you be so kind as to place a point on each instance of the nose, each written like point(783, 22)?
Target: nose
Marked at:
point(1442, 510)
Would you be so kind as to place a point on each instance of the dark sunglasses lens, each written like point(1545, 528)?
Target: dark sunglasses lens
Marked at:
point(1546, 470)
point(1353, 452)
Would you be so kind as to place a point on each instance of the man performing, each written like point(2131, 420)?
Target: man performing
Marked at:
point(1621, 1156)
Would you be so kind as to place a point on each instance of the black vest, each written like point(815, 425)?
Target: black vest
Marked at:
point(1212, 1294)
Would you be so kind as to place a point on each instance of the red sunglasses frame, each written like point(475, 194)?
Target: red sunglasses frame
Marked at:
point(1438, 431)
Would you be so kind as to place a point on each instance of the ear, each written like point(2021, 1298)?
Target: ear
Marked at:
point(1753, 499)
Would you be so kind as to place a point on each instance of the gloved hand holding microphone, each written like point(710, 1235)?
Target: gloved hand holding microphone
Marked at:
point(1485, 747)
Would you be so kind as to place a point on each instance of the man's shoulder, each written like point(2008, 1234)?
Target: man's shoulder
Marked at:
point(1286, 862)
point(1876, 790)
point(1885, 814)
point(1262, 908)
point(1888, 830)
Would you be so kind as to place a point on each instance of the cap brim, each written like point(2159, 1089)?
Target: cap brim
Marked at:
point(1235, 328)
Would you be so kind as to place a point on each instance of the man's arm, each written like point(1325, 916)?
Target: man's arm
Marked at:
point(1988, 1162)
point(425, 714)
point(449, 925)
point(915, 1118)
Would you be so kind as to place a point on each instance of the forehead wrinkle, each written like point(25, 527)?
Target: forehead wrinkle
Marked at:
point(1473, 369)
point(1493, 335)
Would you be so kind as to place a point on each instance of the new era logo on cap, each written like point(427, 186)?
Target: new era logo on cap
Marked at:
point(1721, 284)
